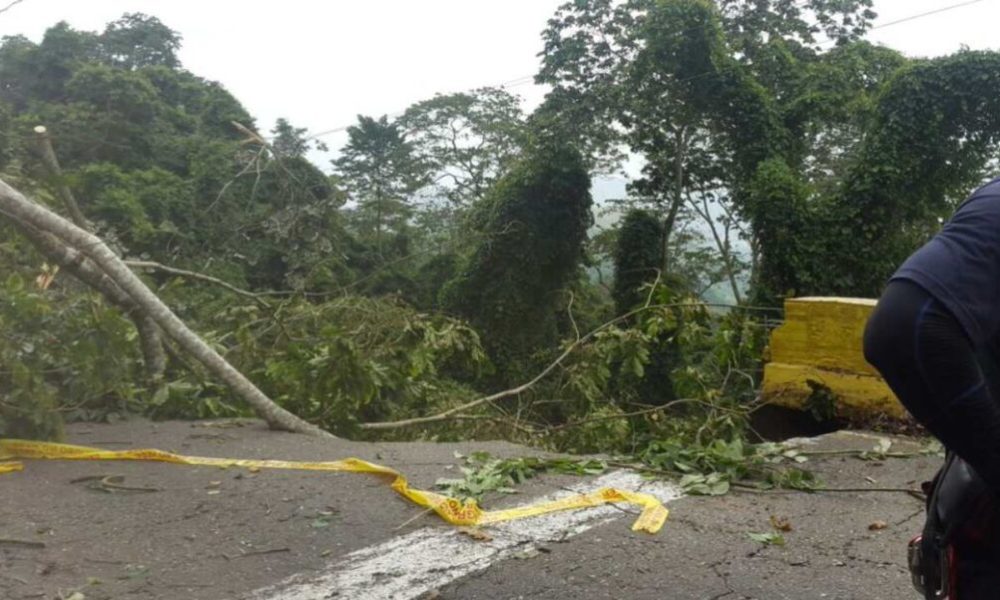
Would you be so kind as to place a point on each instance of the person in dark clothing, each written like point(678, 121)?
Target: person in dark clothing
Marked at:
point(932, 337)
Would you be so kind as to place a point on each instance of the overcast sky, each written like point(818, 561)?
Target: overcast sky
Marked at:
point(319, 64)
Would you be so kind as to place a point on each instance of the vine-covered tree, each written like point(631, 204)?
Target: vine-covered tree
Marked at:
point(637, 258)
point(915, 159)
point(533, 225)
point(707, 90)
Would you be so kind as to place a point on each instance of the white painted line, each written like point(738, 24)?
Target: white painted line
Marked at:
point(409, 565)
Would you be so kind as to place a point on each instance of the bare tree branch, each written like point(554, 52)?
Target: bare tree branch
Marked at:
point(154, 356)
point(48, 155)
point(519, 389)
point(628, 415)
point(155, 266)
point(457, 411)
point(725, 250)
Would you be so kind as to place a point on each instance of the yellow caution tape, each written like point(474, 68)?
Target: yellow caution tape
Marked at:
point(467, 513)
point(10, 467)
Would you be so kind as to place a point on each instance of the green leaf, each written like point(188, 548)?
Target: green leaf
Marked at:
point(768, 539)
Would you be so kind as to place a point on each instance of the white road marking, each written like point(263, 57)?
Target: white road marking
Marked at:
point(409, 565)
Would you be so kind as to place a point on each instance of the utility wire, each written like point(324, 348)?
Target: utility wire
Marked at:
point(530, 78)
point(505, 85)
point(927, 14)
point(914, 17)
point(10, 6)
point(520, 81)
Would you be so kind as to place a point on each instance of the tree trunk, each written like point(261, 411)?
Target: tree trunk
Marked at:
point(78, 265)
point(721, 243)
point(154, 357)
point(19, 208)
point(678, 199)
point(51, 163)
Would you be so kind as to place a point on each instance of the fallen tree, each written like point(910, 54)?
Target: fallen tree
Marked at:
point(74, 244)
point(154, 356)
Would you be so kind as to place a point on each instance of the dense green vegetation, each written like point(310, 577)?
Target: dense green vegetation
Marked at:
point(449, 254)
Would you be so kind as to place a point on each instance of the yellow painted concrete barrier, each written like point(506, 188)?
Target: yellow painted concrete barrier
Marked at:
point(820, 341)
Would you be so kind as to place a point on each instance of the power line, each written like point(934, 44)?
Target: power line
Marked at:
point(913, 17)
point(10, 6)
point(530, 78)
point(882, 26)
point(521, 80)
point(927, 14)
point(507, 84)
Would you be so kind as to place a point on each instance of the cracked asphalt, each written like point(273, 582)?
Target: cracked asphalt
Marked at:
point(211, 534)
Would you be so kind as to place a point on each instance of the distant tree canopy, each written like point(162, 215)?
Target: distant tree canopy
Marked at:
point(137, 40)
point(152, 152)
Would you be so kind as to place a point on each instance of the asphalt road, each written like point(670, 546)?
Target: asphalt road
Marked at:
point(206, 533)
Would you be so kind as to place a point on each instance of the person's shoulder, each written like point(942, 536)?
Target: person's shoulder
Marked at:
point(991, 188)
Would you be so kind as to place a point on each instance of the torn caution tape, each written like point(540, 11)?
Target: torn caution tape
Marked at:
point(467, 513)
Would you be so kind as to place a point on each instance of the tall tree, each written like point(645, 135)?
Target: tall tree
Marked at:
point(469, 139)
point(381, 172)
point(291, 142)
point(137, 40)
point(706, 91)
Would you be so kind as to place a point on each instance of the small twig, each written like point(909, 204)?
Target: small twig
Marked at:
point(415, 517)
point(652, 289)
point(643, 469)
point(21, 543)
point(872, 453)
point(637, 413)
point(105, 562)
point(572, 319)
point(260, 552)
point(754, 488)
point(155, 266)
point(514, 423)
point(111, 484)
point(254, 163)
